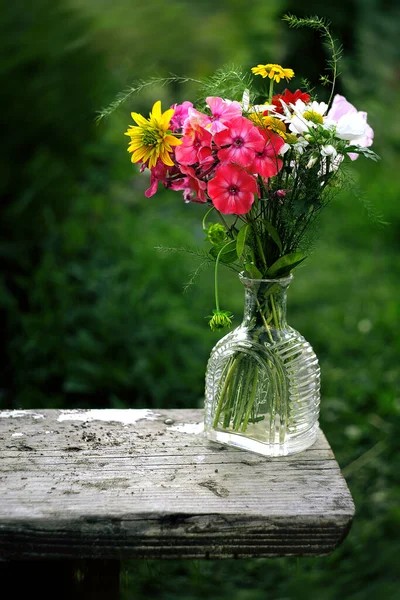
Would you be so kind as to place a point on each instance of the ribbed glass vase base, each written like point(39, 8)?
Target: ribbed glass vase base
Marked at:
point(294, 445)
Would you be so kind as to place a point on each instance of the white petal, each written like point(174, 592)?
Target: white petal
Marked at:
point(284, 149)
point(246, 100)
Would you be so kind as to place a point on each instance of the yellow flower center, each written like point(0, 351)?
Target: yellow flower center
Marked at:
point(151, 137)
point(275, 125)
point(313, 116)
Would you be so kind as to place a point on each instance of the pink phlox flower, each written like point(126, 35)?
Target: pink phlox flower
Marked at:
point(161, 173)
point(243, 141)
point(280, 194)
point(179, 184)
point(222, 113)
point(180, 115)
point(195, 188)
point(232, 190)
point(266, 162)
point(195, 139)
point(157, 174)
point(206, 157)
point(351, 124)
point(195, 119)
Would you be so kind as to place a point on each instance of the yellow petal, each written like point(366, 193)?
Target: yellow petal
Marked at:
point(153, 160)
point(139, 119)
point(166, 159)
point(135, 145)
point(172, 140)
point(166, 118)
point(139, 154)
point(156, 110)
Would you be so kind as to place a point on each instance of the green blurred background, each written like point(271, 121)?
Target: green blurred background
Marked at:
point(93, 315)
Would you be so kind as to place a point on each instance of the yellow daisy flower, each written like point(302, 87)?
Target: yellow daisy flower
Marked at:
point(275, 125)
point(272, 123)
point(275, 72)
point(151, 138)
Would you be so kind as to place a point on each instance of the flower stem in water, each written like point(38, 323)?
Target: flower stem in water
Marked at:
point(251, 400)
point(231, 372)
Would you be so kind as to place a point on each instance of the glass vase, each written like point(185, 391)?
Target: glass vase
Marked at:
point(263, 378)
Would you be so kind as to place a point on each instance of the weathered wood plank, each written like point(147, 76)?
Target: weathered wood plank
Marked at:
point(130, 484)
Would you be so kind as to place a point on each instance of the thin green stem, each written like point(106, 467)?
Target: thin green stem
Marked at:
point(243, 394)
point(228, 229)
point(276, 320)
point(274, 312)
point(251, 401)
point(271, 90)
point(205, 217)
point(231, 397)
point(231, 369)
point(216, 273)
point(258, 241)
point(263, 320)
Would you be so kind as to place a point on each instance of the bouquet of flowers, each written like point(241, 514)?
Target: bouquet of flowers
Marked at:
point(264, 164)
point(272, 160)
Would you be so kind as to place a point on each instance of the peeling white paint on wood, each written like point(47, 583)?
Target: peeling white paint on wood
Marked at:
point(6, 414)
point(108, 415)
point(95, 488)
point(193, 428)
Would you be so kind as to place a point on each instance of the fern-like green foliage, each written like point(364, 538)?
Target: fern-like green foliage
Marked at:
point(202, 255)
point(333, 47)
point(228, 81)
point(137, 87)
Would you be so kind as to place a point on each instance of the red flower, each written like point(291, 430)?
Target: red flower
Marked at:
point(192, 187)
point(232, 190)
point(158, 174)
point(267, 163)
point(195, 189)
point(243, 140)
point(289, 97)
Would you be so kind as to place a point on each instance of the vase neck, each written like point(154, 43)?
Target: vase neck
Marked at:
point(265, 302)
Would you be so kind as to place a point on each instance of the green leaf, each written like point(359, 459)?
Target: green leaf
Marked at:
point(253, 272)
point(364, 151)
point(228, 254)
point(273, 233)
point(285, 264)
point(241, 240)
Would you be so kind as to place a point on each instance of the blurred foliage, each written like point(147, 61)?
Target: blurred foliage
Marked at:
point(91, 314)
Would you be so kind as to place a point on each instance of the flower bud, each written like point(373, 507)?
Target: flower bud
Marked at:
point(328, 150)
point(216, 234)
point(220, 319)
point(311, 162)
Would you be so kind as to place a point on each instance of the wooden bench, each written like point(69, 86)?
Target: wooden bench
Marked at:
point(107, 485)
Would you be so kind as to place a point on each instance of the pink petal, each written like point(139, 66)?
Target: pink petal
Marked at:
point(340, 107)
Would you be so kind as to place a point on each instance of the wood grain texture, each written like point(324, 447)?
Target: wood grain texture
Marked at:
point(140, 484)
